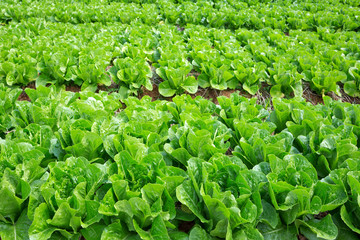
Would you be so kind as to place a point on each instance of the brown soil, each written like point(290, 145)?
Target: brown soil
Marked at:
point(229, 152)
point(23, 96)
point(154, 94)
point(347, 98)
point(208, 93)
point(315, 98)
point(113, 87)
point(321, 215)
point(310, 95)
point(30, 85)
point(334, 96)
point(73, 88)
point(212, 94)
point(227, 93)
point(263, 96)
point(344, 97)
point(184, 226)
point(301, 237)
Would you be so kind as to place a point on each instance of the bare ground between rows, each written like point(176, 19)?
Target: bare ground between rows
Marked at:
point(263, 95)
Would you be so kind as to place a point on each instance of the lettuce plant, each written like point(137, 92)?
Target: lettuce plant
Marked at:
point(285, 79)
point(131, 74)
point(91, 68)
point(176, 80)
point(8, 96)
point(21, 176)
point(57, 67)
point(353, 87)
point(69, 199)
point(249, 75)
point(18, 72)
point(325, 80)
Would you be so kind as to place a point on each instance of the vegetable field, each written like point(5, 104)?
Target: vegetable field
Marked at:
point(179, 119)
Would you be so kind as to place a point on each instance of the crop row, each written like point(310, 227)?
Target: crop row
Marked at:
point(281, 14)
point(131, 54)
point(76, 164)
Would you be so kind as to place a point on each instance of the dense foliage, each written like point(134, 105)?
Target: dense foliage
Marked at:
point(106, 166)
point(221, 44)
point(78, 164)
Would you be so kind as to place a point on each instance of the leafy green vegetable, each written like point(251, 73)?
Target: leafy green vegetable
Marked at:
point(131, 74)
point(176, 80)
point(106, 165)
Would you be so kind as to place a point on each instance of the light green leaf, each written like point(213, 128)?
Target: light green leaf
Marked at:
point(324, 228)
point(166, 90)
point(16, 231)
point(187, 195)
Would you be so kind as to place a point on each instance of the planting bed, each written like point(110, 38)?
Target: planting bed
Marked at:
point(175, 119)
